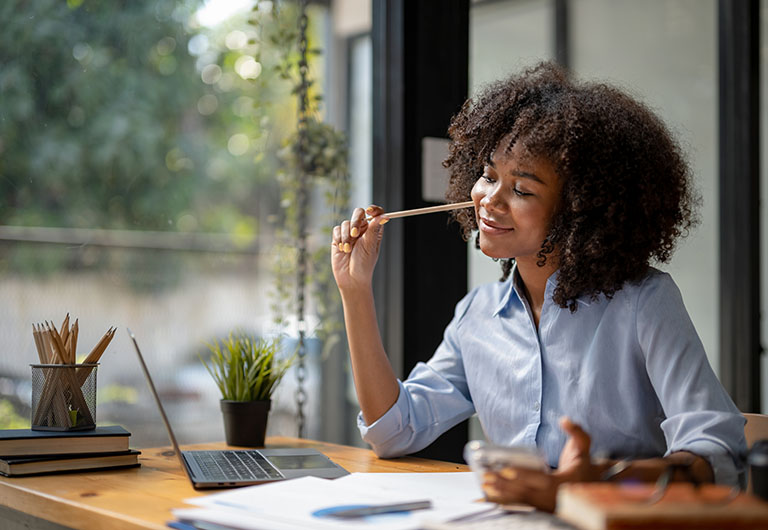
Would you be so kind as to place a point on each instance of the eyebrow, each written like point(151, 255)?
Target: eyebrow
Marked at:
point(521, 174)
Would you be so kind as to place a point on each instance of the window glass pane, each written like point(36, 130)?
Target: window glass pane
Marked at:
point(665, 53)
point(360, 117)
point(506, 36)
point(142, 176)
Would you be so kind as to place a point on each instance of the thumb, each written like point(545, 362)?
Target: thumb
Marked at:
point(578, 436)
point(376, 229)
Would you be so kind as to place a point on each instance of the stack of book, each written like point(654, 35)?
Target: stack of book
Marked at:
point(28, 452)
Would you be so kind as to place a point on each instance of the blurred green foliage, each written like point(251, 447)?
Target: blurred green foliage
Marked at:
point(94, 99)
point(130, 115)
point(9, 418)
point(116, 393)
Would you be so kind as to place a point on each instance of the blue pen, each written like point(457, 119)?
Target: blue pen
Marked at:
point(364, 511)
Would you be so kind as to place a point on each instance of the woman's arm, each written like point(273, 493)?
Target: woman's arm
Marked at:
point(353, 257)
point(699, 415)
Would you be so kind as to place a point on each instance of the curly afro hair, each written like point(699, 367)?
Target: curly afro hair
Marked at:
point(626, 192)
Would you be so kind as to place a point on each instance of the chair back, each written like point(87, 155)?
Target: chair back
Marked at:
point(755, 429)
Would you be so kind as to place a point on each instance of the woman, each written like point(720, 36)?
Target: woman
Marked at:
point(583, 349)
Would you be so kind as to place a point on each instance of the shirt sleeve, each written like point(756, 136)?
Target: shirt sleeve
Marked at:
point(434, 398)
point(700, 416)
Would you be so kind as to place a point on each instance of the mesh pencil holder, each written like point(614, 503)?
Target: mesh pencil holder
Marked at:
point(64, 397)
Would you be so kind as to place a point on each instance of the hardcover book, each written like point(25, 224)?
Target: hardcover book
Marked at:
point(598, 506)
point(34, 465)
point(26, 442)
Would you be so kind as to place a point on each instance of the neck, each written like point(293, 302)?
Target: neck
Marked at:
point(534, 280)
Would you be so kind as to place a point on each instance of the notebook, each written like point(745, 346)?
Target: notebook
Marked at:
point(242, 467)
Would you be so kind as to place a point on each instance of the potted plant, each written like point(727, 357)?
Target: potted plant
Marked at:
point(246, 370)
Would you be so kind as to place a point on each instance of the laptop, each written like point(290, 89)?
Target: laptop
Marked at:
point(243, 467)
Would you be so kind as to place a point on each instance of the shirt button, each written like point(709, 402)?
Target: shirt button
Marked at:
point(536, 406)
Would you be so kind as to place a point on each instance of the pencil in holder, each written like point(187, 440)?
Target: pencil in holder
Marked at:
point(64, 397)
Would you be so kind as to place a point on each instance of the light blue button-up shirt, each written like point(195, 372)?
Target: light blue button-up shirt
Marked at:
point(631, 370)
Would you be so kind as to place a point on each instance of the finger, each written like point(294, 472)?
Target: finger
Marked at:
point(520, 491)
point(504, 493)
point(373, 210)
point(345, 243)
point(529, 477)
point(376, 228)
point(357, 222)
point(336, 237)
point(580, 437)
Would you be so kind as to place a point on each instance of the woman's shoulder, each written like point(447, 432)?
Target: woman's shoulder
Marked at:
point(656, 292)
point(656, 281)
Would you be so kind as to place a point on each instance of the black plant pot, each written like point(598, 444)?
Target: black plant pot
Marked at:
point(245, 422)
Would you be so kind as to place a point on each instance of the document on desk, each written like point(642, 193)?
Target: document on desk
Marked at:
point(307, 502)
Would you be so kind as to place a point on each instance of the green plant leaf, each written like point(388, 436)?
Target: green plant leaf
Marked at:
point(246, 368)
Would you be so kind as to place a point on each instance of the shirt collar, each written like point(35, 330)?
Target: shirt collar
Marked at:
point(514, 291)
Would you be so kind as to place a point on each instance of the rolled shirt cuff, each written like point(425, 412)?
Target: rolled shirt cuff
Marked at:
point(726, 468)
point(381, 432)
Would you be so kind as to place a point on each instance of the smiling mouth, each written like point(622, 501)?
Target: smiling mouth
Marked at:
point(490, 227)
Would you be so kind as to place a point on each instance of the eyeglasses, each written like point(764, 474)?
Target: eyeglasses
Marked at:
point(712, 495)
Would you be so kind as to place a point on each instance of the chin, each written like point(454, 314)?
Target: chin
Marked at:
point(494, 253)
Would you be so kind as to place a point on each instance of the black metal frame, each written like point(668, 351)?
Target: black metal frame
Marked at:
point(420, 71)
point(739, 147)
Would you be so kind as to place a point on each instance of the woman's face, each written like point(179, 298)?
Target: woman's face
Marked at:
point(514, 203)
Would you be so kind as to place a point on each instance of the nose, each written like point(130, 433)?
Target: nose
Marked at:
point(492, 199)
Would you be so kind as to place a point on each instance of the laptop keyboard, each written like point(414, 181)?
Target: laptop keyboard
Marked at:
point(228, 466)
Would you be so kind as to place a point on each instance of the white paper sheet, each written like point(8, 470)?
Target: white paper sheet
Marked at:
point(439, 487)
point(294, 503)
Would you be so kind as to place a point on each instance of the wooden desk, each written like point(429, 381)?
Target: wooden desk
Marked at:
point(143, 497)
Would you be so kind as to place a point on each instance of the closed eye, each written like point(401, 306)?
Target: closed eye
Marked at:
point(522, 193)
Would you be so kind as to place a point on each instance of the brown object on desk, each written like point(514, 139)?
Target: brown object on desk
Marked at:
point(142, 498)
point(615, 506)
point(15, 466)
point(26, 442)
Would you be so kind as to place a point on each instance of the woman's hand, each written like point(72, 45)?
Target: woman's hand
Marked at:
point(537, 488)
point(355, 248)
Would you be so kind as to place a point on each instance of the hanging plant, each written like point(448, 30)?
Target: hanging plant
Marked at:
point(313, 172)
point(326, 162)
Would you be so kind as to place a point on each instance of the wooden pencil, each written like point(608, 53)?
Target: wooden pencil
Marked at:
point(65, 331)
point(75, 333)
point(39, 345)
point(428, 209)
point(58, 344)
point(93, 357)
